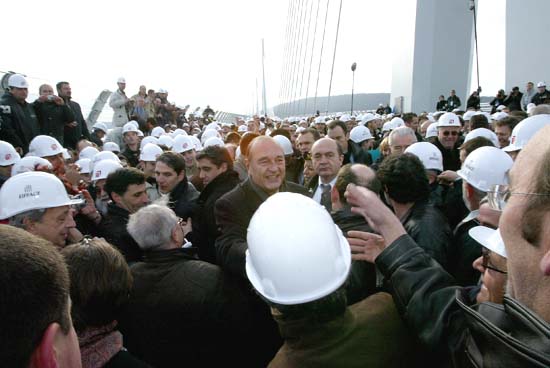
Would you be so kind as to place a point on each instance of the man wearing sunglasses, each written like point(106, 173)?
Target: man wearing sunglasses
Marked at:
point(514, 335)
point(448, 131)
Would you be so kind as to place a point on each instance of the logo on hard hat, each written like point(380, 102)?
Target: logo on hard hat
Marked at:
point(27, 192)
point(7, 157)
point(185, 145)
point(513, 139)
point(452, 121)
point(54, 146)
point(97, 173)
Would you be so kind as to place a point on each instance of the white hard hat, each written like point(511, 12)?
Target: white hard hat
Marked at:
point(360, 133)
point(295, 267)
point(530, 108)
point(242, 129)
point(111, 146)
point(100, 126)
point(140, 133)
point(387, 127)
point(485, 167)
point(129, 127)
point(121, 80)
point(285, 144)
point(541, 84)
point(179, 132)
point(209, 133)
point(429, 155)
point(196, 142)
point(499, 115)
point(30, 163)
point(345, 118)
point(157, 131)
point(397, 122)
point(501, 107)
point(213, 125)
point(8, 154)
point(66, 154)
point(166, 140)
point(449, 119)
point(482, 132)
point(85, 165)
point(103, 168)
point(148, 139)
point(104, 155)
point(431, 131)
point(183, 143)
point(525, 130)
point(368, 117)
point(44, 146)
point(32, 191)
point(150, 152)
point(213, 141)
point(468, 115)
point(88, 152)
point(489, 238)
point(18, 81)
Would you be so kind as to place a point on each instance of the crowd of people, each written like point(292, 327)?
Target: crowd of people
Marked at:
point(172, 239)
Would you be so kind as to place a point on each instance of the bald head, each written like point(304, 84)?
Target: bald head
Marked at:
point(358, 174)
point(327, 158)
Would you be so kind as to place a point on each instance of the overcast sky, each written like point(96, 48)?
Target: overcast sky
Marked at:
point(209, 51)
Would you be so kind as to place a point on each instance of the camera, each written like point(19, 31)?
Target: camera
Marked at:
point(51, 97)
point(78, 207)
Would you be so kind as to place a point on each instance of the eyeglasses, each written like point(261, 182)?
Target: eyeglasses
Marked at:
point(453, 133)
point(181, 222)
point(486, 262)
point(498, 196)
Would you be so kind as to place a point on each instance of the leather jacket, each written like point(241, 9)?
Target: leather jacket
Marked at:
point(457, 333)
point(429, 229)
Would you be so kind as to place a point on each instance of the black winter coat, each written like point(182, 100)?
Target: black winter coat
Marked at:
point(53, 118)
point(183, 199)
point(451, 157)
point(185, 312)
point(362, 278)
point(205, 230)
point(19, 122)
point(113, 229)
point(458, 333)
point(74, 134)
point(429, 229)
point(356, 155)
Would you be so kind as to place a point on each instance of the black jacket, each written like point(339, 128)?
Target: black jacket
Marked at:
point(451, 157)
point(473, 102)
point(113, 229)
point(205, 230)
point(362, 278)
point(185, 312)
point(460, 334)
point(74, 134)
point(540, 98)
point(53, 118)
point(233, 212)
point(19, 122)
point(496, 102)
point(429, 229)
point(132, 157)
point(513, 101)
point(465, 251)
point(441, 105)
point(95, 139)
point(183, 199)
point(453, 102)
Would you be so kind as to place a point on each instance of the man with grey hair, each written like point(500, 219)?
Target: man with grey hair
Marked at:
point(181, 309)
point(400, 139)
point(38, 203)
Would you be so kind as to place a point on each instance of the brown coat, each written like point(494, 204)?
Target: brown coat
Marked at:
point(369, 334)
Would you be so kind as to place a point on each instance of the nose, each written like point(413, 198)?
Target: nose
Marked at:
point(70, 220)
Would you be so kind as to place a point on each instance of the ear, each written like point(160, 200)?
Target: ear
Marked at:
point(29, 225)
point(44, 355)
point(246, 163)
point(174, 234)
point(469, 191)
point(223, 166)
point(116, 197)
point(545, 264)
point(181, 175)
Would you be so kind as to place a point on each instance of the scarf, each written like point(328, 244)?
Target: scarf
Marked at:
point(98, 345)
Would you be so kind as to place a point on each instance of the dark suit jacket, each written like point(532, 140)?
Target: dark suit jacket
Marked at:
point(233, 212)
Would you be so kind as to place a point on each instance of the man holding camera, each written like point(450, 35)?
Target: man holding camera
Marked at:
point(52, 113)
